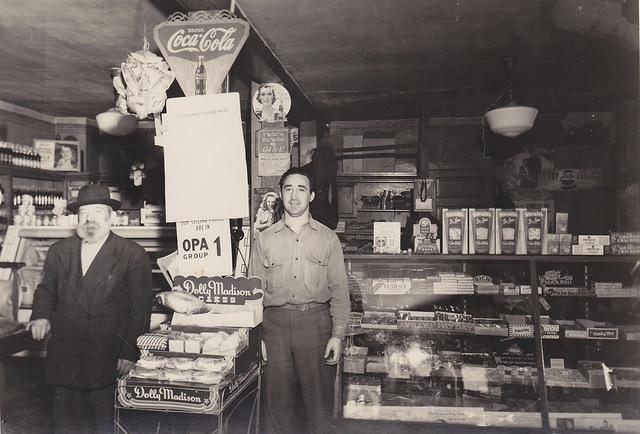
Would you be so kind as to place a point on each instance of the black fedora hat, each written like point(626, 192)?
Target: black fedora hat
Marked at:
point(93, 194)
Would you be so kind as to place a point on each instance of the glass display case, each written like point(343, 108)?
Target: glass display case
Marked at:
point(592, 372)
point(30, 245)
point(472, 340)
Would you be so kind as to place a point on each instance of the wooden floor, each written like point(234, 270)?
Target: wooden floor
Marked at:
point(25, 401)
point(24, 398)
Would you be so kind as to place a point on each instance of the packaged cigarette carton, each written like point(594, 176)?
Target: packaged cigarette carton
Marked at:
point(386, 237)
point(603, 240)
point(587, 250)
point(553, 244)
point(562, 223)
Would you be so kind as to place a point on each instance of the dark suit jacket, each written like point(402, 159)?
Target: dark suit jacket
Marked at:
point(96, 318)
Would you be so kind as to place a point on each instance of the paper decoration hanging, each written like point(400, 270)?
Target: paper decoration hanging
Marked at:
point(201, 49)
point(143, 83)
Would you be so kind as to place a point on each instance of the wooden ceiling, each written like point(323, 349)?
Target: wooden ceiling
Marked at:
point(358, 59)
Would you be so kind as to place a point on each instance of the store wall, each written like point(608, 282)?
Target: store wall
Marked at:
point(376, 132)
point(20, 125)
point(584, 144)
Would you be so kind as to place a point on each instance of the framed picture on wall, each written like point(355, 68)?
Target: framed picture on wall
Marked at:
point(59, 155)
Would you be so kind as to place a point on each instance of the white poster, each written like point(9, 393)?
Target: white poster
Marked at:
point(204, 248)
point(273, 164)
point(204, 158)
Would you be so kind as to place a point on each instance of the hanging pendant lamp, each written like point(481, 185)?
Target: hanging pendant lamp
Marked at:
point(511, 119)
point(114, 121)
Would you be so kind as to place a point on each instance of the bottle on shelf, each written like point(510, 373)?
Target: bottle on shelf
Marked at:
point(12, 154)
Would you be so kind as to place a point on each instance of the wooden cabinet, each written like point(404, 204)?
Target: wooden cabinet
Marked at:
point(462, 186)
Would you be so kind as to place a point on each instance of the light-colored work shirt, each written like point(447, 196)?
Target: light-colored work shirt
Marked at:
point(302, 268)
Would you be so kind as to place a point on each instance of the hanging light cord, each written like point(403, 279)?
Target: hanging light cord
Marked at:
point(484, 115)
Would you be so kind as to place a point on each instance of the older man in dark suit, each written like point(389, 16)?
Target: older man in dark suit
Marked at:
point(94, 300)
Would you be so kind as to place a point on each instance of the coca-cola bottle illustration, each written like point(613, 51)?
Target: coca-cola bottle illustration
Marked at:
point(201, 77)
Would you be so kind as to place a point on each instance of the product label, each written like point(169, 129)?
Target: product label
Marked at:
point(156, 396)
point(482, 224)
point(508, 231)
point(534, 228)
point(455, 231)
point(602, 333)
point(221, 290)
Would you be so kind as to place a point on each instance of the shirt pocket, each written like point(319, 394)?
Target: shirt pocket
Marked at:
point(315, 273)
point(275, 273)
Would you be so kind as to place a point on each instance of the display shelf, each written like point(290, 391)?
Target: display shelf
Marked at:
point(480, 258)
point(382, 210)
point(138, 232)
point(540, 346)
point(31, 173)
point(586, 259)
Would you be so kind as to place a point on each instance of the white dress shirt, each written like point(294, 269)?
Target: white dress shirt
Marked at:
point(89, 251)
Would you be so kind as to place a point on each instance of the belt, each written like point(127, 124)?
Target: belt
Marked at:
point(303, 307)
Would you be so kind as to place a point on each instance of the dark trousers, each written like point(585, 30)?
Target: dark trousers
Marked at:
point(296, 372)
point(83, 411)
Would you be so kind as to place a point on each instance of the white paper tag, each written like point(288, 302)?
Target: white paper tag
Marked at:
point(204, 248)
point(557, 363)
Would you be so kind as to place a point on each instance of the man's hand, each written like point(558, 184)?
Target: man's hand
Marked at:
point(332, 353)
point(39, 328)
point(124, 366)
point(264, 351)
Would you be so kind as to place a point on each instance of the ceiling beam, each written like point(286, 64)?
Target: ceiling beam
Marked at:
point(257, 42)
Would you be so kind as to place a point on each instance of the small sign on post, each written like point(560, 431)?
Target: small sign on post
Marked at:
point(204, 248)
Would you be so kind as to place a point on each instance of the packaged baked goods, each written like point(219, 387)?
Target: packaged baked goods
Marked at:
point(153, 341)
point(182, 302)
point(181, 363)
point(212, 364)
point(151, 374)
point(193, 343)
point(176, 345)
point(207, 377)
point(151, 362)
point(178, 375)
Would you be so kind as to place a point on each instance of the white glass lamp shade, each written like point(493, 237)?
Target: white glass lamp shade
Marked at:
point(512, 120)
point(115, 123)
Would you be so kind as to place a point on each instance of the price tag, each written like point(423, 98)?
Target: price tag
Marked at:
point(204, 247)
point(557, 363)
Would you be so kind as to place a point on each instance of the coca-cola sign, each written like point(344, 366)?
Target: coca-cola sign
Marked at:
point(214, 40)
point(187, 45)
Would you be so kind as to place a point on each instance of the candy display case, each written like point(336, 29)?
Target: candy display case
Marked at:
point(592, 372)
point(30, 245)
point(477, 340)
